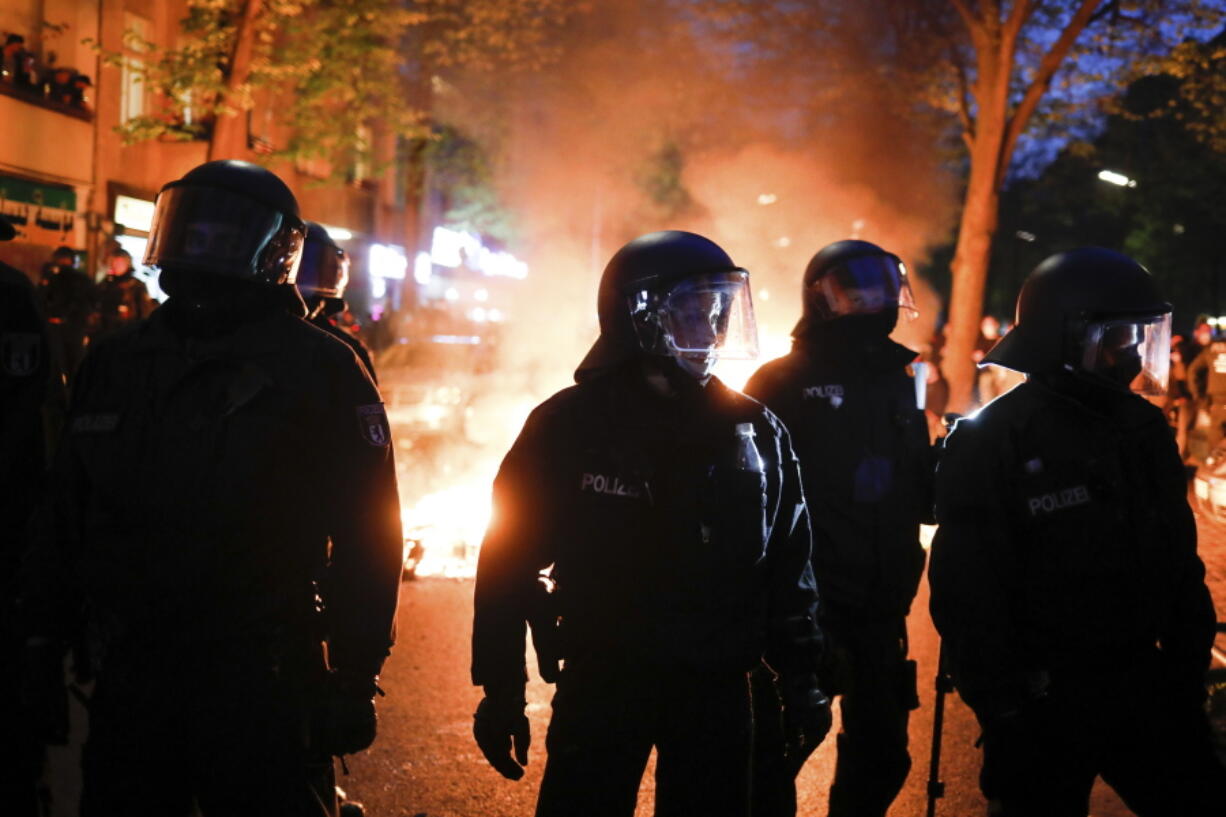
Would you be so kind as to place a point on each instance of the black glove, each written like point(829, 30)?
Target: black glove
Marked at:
point(498, 723)
point(345, 720)
point(44, 692)
point(806, 718)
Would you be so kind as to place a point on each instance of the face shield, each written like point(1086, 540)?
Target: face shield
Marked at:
point(1132, 353)
point(863, 286)
point(324, 271)
point(224, 233)
point(699, 319)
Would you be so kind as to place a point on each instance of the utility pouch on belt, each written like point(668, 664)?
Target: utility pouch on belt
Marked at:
point(543, 622)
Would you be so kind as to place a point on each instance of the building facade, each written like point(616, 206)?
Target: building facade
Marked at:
point(68, 178)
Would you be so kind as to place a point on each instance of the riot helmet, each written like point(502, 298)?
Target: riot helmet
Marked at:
point(673, 294)
point(1095, 313)
point(228, 218)
point(855, 278)
point(324, 271)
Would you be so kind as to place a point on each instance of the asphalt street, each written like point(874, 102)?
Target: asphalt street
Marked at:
point(426, 763)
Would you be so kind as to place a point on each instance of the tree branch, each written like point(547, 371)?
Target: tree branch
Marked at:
point(968, 16)
point(1020, 13)
point(1048, 66)
point(1107, 8)
point(964, 105)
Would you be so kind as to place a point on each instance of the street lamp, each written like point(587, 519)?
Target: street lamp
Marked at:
point(1118, 179)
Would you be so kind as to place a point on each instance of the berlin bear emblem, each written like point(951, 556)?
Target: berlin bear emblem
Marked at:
point(372, 420)
point(20, 353)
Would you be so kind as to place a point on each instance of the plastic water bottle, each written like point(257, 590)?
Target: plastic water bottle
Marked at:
point(747, 456)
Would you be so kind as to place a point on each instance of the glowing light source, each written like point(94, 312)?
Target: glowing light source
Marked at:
point(448, 247)
point(134, 214)
point(388, 261)
point(764, 294)
point(1118, 179)
point(481, 295)
point(767, 198)
point(337, 233)
point(452, 294)
point(423, 268)
point(454, 248)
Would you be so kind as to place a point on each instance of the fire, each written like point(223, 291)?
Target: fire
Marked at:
point(443, 531)
point(736, 373)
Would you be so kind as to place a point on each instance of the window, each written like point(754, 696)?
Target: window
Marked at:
point(361, 155)
point(132, 74)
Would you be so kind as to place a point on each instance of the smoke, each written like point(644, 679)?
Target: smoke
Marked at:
point(772, 144)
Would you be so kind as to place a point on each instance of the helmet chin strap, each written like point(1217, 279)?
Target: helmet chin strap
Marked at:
point(667, 376)
point(698, 369)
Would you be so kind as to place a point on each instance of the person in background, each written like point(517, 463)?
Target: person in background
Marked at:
point(67, 297)
point(123, 298)
point(1206, 379)
point(322, 280)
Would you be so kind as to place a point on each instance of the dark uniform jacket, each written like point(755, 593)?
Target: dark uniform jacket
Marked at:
point(67, 296)
point(199, 481)
point(25, 384)
point(349, 339)
point(1066, 546)
point(122, 299)
point(666, 557)
point(864, 453)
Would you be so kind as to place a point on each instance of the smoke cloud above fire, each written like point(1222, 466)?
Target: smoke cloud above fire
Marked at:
point(657, 118)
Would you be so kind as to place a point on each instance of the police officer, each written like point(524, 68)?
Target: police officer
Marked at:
point(1065, 579)
point(322, 279)
point(202, 590)
point(32, 713)
point(848, 395)
point(1207, 385)
point(320, 284)
point(123, 298)
point(669, 509)
point(67, 298)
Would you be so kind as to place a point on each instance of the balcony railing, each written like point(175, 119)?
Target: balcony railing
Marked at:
point(35, 96)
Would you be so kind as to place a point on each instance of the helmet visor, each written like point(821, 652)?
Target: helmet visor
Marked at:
point(863, 286)
point(1133, 353)
point(706, 315)
point(225, 233)
point(324, 270)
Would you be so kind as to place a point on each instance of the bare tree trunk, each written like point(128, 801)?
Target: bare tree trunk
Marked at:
point(970, 273)
point(229, 139)
point(979, 219)
point(991, 139)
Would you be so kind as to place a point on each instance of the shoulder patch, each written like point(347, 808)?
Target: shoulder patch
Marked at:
point(372, 423)
point(20, 353)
